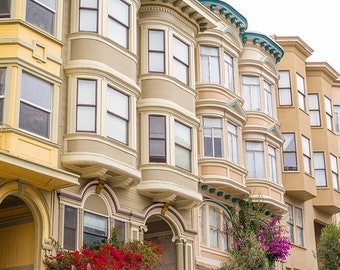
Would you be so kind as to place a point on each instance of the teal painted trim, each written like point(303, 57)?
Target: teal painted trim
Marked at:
point(265, 42)
point(222, 206)
point(233, 15)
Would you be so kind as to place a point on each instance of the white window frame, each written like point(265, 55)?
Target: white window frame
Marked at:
point(233, 143)
point(306, 154)
point(273, 173)
point(328, 110)
point(251, 93)
point(212, 130)
point(284, 89)
point(183, 145)
point(300, 84)
point(336, 109)
point(320, 169)
point(289, 151)
point(72, 228)
point(335, 171)
point(211, 59)
point(157, 137)
point(268, 98)
point(255, 159)
point(180, 60)
point(43, 5)
point(314, 110)
point(229, 82)
point(295, 224)
point(156, 51)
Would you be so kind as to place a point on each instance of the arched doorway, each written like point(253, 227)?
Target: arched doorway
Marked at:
point(17, 234)
point(159, 231)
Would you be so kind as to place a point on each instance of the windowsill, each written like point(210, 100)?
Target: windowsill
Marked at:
point(298, 246)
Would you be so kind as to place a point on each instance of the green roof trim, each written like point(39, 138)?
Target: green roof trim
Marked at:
point(228, 12)
point(264, 42)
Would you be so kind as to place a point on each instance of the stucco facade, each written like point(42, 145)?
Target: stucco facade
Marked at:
point(155, 118)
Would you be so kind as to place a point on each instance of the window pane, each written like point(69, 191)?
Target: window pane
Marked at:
point(89, 3)
point(300, 83)
point(181, 51)
point(156, 62)
point(156, 40)
point(289, 144)
point(117, 128)
point(182, 135)
point(314, 118)
point(285, 97)
point(2, 92)
point(284, 81)
point(118, 33)
point(210, 72)
point(40, 16)
point(70, 228)
point(120, 11)
point(86, 119)
point(5, 8)
point(180, 71)
point(88, 20)
point(34, 120)
point(120, 228)
point(95, 228)
point(313, 102)
point(290, 161)
point(87, 92)
point(117, 103)
point(157, 127)
point(157, 145)
point(183, 158)
point(229, 72)
point(305, 146)
point(337, 117)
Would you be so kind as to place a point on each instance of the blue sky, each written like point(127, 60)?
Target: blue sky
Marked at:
point(315, 22)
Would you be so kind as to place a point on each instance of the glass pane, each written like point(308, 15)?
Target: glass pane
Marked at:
point(5, 8)
point(181, 51)
point(214, 70)
point(88, 20)
point(298, 217)
point(213, 237)
point(306, 164)
point(120, 11)
point(334, 164)
point(86, 119)
point(250, 159)
point(48, 3)
point(320, 178)
point(183, 158)
point(157, 127)
point(1, 109)
point(89, 3)
point(117, 103)
point(70, 217)
point(40, 16)
point(254, 146)
point(87, 92)
point(212, 122)
point(299, 233)
point(36, 91)
point(284, 81)
point(157, 148)
point(156, 62)
point(289, 144)
point(182, 135)
point(204, 69)
point(305, 146)
point(34, 120)
point(180, 71)
point(118, 33)
point(95, 224)
point(314, 118)
point(209, 51)
point(285, 97)
point(208, 143)
point(318, 161)
point(313, 102)
point(120, 227)
point(2, 81)
point(156, 40)
point(300, 83)
point(328, 105)
point(289, 160)
point(117, 128)
point(69, 239)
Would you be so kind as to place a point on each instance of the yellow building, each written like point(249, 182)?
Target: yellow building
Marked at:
point(155, 117)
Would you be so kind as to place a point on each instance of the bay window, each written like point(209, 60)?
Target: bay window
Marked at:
point(301, 91)
point(156, 51)
point(182, 146)
point(95, 228)
point(268, 99)
point(86, 105)
point(212, 137)
point(88, 15)
point(251, 93)
point(233, 143)
point(42, 13)
point(210, 69)
point(314, 111)
point(117, 115)
point(255, 159)
point(180, 60)
point(319, 169)
point(5, 8)
point(306, 154)
point(157, 138)
point(35, 105)
point(272, 164)
point(118, 22)
point(328, 109)
point(2, 92)
point(289, 152)
point(285, 95)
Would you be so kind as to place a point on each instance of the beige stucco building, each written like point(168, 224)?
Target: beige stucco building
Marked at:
point(155, 118)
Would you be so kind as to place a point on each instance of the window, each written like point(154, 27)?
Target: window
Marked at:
point(180, 60)
point(335, 175)
point(299, 226)
point(70, 228)
point(289, 152)
point(328, 109)
point(212, 231)
point(272, 164)
point(306, 154)
point(88, 15)
point(118, 22)
point(337, 118)
point(290, 222)
point(2, 92)
point(182, 146)
point(255, 159)
point(301, 92)
point(157, 139)
point(95, 228)
point(210, 70)
point(86, 105)
point(314, 112)
point(156, 51)
point(232, 143)
point(212, 136)
point(117, 115)
point(35, 105)
point(268, 98)
point(5, 6)
point(41, 13)
point(228, 72)
point(120, 228)
point(251, 93)
point(319, 168)
point(285, 95)
point(295, 225)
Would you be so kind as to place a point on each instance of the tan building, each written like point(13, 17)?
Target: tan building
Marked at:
point(155, 117)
